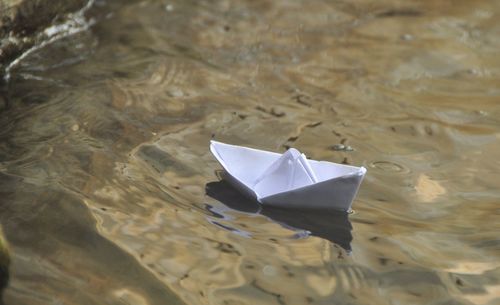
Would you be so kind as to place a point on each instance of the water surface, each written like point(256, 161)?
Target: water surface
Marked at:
point(104, 160)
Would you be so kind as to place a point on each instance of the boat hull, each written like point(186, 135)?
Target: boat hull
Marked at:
point(335, 194)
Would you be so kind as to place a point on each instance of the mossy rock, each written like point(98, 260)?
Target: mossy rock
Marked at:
point(22, 20)
point(25, 16)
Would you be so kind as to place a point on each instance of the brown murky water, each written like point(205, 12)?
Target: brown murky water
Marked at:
point(105, 165)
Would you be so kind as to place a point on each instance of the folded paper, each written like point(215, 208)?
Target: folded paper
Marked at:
point(289, 179)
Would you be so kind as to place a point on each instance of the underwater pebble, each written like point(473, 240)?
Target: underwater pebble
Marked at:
point(406, 37)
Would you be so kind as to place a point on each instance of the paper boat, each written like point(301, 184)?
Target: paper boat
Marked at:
point(289, 179)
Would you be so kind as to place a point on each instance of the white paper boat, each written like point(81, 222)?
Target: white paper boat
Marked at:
point(289, 179)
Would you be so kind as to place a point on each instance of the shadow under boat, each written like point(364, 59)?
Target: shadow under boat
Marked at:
point(332, 225)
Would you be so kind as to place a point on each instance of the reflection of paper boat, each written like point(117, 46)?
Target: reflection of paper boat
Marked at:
point(289, 179)
point(330, 224)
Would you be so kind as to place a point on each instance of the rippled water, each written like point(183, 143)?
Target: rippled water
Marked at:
point(110, 196)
